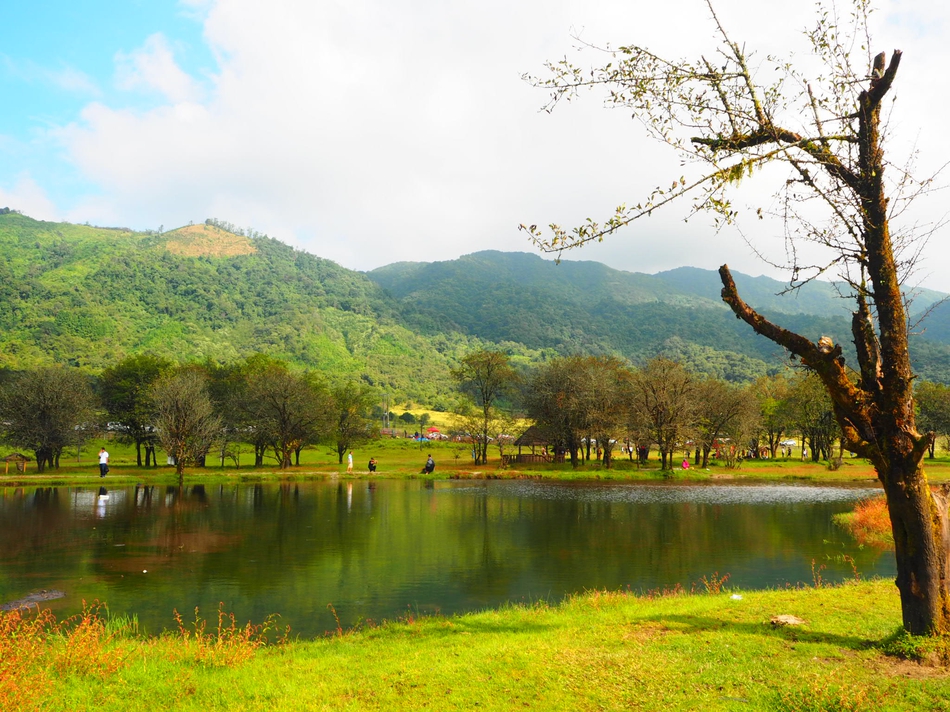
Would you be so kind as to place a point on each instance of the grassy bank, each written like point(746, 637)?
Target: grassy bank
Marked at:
point(674, 651)
point(404, 458)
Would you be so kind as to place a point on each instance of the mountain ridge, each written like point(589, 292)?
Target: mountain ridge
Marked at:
point(89, 296)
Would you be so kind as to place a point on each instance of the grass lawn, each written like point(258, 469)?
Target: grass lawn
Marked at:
point(400, 457)
point(598, 651)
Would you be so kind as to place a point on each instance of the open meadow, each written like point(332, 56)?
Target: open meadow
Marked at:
point(404, 457)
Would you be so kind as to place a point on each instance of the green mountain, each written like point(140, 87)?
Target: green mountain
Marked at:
point(587, 307)
point(88, 296)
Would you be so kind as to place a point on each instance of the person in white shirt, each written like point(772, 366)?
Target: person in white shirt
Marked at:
point(103, 462)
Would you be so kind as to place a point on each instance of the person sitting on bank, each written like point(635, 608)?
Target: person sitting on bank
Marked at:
point(430, 466)
point(372, 464)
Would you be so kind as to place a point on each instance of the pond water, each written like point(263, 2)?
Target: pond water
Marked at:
point(388, 549)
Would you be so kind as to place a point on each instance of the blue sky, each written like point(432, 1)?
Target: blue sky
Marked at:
point(373, 131)
point(56, 57)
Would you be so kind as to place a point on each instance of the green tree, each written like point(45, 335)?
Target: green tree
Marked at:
point(581, 400)
point(734, 117)
point(812, 414)
point(933, 403)
point(553, 399)
point(45, 411)
point(485, 377)
point(126, 396)
point(664, 397)
point(772, 393)
point(720, 409)
point(352, 418)
point(185, 421)
point(287, 410)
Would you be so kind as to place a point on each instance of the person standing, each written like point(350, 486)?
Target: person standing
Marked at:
point(103, 462)
point(349, 462)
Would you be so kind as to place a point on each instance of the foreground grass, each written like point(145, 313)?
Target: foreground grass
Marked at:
point(593, 652)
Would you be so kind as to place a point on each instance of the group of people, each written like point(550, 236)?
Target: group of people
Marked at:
point(371, 466)
point(427, 469)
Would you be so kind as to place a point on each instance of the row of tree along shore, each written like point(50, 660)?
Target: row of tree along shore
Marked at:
point(584, 409)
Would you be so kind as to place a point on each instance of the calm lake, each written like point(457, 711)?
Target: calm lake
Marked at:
point(390, 548)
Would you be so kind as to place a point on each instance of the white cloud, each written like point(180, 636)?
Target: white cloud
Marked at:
point(369, 132)
point(29, 198)
point(152, 67)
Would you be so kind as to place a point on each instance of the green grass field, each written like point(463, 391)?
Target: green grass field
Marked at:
point(400, 457)
point(598, 651)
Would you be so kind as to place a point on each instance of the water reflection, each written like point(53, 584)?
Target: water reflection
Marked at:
point(382, 549)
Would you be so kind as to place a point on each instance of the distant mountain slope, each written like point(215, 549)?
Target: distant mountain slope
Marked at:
point(587, 307)
point(767, 294)
point(89, 296)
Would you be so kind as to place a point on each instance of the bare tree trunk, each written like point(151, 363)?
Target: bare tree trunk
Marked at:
point(921, 539)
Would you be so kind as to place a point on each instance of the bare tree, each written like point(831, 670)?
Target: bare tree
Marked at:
point(184, 418)
point(733, 117)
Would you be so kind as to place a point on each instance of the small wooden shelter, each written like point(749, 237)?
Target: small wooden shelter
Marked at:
point(19, 459)
point(540, 446)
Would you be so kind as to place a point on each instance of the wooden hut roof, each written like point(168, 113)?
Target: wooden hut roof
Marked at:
point(13, 457)
point(534, 435)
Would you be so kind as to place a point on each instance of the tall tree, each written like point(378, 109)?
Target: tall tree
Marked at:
point(771, 394)
point(933, 403)
point(734, 117)
point(351, 415)
point(720, 408)
point(126, 395)
point(664, 396)
point(554, 399)
point(185, 420)
point(811, 413)
point(45, 411)
point(485, 377)
point(287, 410)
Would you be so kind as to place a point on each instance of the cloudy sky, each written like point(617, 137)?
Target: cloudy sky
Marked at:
point(375, 131)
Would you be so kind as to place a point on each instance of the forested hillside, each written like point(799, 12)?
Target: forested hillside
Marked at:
point(587, 307)
point(89, 296)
